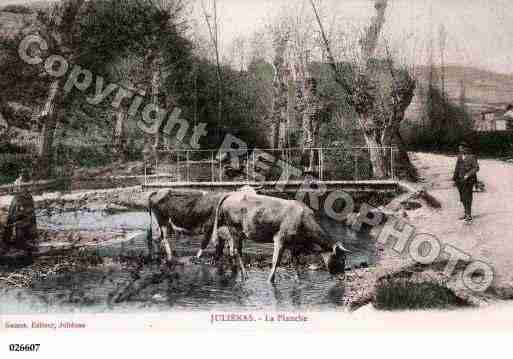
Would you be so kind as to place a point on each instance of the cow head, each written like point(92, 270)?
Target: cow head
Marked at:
point(335, 260)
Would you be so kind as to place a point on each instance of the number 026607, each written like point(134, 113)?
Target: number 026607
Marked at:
point(24, 347)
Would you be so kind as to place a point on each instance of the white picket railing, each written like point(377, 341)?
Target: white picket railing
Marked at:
point(323, 163)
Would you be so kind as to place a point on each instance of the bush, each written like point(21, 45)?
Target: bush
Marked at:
point(404, 294)
point(496, 144)
point(14, 161)
point(9, 171)
point(17, 9)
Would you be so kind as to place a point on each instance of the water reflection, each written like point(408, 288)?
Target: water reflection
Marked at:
point(191, 287)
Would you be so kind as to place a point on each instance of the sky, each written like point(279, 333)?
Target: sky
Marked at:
point(479, 32)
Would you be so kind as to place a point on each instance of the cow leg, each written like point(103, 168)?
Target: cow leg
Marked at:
point(149, 243)
point(235, 241)
point(219, 249)
point(231, 242)
point(295, 261)
point(223, 234)
point(278, 252)
point(239, 258)
point(165, 240)
point(203, 246)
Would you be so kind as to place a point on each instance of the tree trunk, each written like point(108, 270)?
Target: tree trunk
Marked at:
point(49, 118)
point(275, 132)
point(403, 166)
point(308, 138)
point(377, 158)
point(18, 228)
point(311, 127)
point(119, 140)
point(280, 102)
point(155, 92)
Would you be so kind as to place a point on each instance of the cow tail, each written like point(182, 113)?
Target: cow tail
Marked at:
point(215, 232)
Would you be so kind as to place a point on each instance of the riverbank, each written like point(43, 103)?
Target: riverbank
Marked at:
point(488, 239)
point(75, 242)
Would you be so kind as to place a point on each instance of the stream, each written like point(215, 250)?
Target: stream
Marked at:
point(191, 287)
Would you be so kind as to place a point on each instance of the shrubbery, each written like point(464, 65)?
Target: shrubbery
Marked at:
point(404, 294)
point(495, 144)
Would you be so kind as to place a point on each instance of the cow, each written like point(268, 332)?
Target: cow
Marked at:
point(181, 211)
point(285, 223)
point(186, 211)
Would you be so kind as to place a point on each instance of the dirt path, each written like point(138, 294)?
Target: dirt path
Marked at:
point(490, 237)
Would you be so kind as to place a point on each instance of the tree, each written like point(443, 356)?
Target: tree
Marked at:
point(145, 50)
point(280, 40)
point(59, 26)
point(130, 72)
point(213, 30)
point(378, 94)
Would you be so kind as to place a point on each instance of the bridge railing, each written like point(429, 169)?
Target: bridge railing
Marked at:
point(271, 164)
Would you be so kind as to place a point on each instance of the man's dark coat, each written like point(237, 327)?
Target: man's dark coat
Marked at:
point(466, 167)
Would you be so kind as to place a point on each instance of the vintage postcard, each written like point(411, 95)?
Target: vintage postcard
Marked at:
point(171, 165)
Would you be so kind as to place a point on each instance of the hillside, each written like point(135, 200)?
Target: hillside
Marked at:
point(483, 90)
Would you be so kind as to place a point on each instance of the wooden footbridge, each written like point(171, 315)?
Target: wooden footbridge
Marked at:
point(333, 169)
point(337, 169)
point(382, 186)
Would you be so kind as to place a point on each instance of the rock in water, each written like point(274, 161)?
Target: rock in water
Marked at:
point(18, 227)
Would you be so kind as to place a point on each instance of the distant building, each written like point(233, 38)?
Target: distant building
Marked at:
point(496, 120)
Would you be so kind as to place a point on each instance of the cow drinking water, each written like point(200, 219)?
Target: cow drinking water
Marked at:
point(285, 223)
point(185, 211)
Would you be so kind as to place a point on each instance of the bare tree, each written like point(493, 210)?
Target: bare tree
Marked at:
point(128, 70)
point(280, 40)
point(59, 23)
point(238, 53)
point(213, 29)
point(155, 60)
point(443, 121)
point(295, 90)
point(379, 101)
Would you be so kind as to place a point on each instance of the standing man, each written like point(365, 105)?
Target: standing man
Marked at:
point(465, 178)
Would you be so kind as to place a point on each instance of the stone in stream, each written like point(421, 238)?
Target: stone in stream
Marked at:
point(18, 227)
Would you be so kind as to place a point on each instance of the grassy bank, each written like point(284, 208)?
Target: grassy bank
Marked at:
point(407, 294)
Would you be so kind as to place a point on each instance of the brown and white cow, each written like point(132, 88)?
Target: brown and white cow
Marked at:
point(185, 211)
point(285, 223)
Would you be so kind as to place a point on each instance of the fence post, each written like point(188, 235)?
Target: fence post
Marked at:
point(392, 163)
point(187, 168)
point(356, 174)
point(156, 166)
point(178, 169)
point(318, 162)
point(220, 169)
point(212, 168)
point(253, 165)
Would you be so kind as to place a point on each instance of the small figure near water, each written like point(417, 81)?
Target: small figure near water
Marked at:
point(465, 178)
